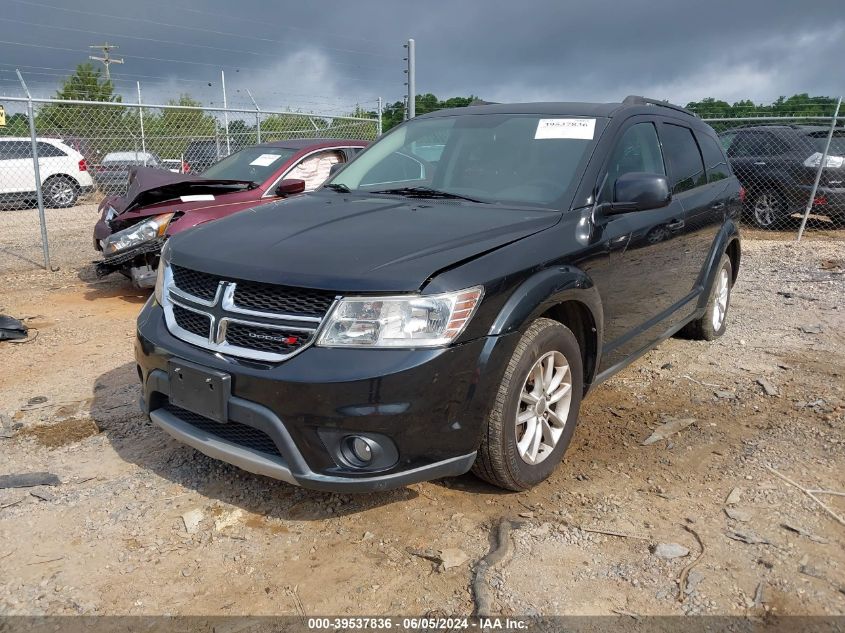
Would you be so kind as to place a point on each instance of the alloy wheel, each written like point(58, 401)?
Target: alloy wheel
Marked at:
point(543, 408)
point(720, 305)
point(61, 193)
point(766, 208)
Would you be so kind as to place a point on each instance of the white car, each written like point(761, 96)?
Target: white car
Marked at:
point(64, 173)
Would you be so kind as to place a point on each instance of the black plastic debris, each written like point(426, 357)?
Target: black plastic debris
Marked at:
point(28, 480)
point(11, 329)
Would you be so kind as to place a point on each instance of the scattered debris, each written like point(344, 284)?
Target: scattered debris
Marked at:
point(668, 551)
point(724, 394)
point(694, 578)
point(734, 497)
point(368, 536)
point(758, 594)
point(628, 613)
point(230, 519)
point(668, 429)
point(36, 400)
point(738, 514)
point(452, 557)
point(293, 592)
point(613, 533)
point(768, 388)
point(812, 571)
point(683, 578)
point(13, 503)
point(801, 531)
point(811, 329)
point(809, 493)
point(703, 384)
point(747, 536)
point(12, 329)
point(526, 515)
point(192, 520)
point(43, 495)
point(29, 480)
point(482, 593)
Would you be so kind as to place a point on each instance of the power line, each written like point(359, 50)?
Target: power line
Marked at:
point(188, 28)
point(106, 59)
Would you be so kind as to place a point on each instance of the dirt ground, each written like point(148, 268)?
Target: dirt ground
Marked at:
point(140, 524)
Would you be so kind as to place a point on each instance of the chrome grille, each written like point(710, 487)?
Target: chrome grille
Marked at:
point(242, 318)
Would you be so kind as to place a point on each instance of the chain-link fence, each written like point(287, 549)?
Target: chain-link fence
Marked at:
point(87, 149)
point(792, 168)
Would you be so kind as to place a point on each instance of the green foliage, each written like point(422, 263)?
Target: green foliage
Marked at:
point(16, 125)
point(796, 105)
point(394, 113)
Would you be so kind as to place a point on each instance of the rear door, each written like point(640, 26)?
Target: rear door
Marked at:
point(18, 173)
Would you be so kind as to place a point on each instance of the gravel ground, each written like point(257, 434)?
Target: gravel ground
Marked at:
point(140, 524)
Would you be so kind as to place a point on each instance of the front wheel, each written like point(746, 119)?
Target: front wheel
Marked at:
point(536, 409)
point(768, 208)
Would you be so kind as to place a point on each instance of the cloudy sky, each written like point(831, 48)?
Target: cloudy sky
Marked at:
point(329, 55)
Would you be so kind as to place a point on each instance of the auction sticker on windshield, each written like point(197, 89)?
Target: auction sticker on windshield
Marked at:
point(565, 128)
point(265, 160)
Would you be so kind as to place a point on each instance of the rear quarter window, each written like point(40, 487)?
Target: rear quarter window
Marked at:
point(47, 150)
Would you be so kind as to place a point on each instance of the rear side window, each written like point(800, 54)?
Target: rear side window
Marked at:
point(46, 150)
point(714, 160)
point(637, 150)
point(684, 158)
point(749, 144)
point(11, 150)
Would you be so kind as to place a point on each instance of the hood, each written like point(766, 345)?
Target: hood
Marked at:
point(148, 186)
point(353, 243)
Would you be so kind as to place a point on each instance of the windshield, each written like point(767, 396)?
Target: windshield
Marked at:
point(837, 144)
point(255, 164)
point(509, 158)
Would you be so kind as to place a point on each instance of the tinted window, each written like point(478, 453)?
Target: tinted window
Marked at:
point(837, 143)
point(637, 150)
point(714, 159)
point(684, 158)
point(750, 144)
point(11, 150)
point(46, 150)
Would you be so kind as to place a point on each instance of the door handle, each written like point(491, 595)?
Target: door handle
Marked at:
point(674, 225)
point(759, 162)
point(718, 205)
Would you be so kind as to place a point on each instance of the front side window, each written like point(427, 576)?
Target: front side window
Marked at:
point(509, 158)
point(253, 164)
point(637, 150)
point(684, 158)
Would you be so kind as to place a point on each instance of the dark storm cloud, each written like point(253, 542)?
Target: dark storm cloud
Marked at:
point(334, 54)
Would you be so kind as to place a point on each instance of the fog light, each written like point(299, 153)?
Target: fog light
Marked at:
point(361, 449)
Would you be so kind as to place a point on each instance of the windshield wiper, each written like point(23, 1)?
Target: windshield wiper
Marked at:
point(427, 192)
point(336, 186)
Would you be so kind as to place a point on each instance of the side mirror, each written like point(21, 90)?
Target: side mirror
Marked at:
point(639, 191)
point(290, 186)
point(336, 168)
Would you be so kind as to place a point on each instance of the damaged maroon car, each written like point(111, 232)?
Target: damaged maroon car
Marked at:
point(132, 228)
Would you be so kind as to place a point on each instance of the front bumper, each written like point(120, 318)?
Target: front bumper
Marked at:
point(428, 405)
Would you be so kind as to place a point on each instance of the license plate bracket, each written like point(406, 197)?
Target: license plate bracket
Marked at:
point(200, 390)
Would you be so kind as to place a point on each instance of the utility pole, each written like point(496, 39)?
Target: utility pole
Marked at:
point(107, 61)
point(411, 71)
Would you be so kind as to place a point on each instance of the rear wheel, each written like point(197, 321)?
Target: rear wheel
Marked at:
point(715, 320)
point(536, 409)
point(768, 207)
point(60, 192)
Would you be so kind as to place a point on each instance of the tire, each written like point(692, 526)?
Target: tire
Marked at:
point(767, 208)
point(60, 192)
point(706, 328)
point(500, 459)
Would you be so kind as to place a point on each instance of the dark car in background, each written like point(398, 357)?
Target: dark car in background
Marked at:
point(777, 165)
point(202, 154)
point(158, 203)
point(415, 320)
point(112, 174)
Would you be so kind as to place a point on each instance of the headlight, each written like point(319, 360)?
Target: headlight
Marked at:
point(137, 234)
point(162, 266)
point(411, 321)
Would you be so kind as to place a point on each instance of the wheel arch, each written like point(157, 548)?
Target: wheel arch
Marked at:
point(567, 295)
point(60, 174)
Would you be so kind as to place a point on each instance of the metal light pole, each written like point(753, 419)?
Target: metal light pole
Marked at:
point(141, 118)
point(380, 110)
point(412, 78)
point(225, 113)
point(257, 115)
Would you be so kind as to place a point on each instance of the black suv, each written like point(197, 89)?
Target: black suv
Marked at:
point(399, 325)
point(777, 165)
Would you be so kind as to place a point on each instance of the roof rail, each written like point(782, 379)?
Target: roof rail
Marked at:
point(638, 100)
